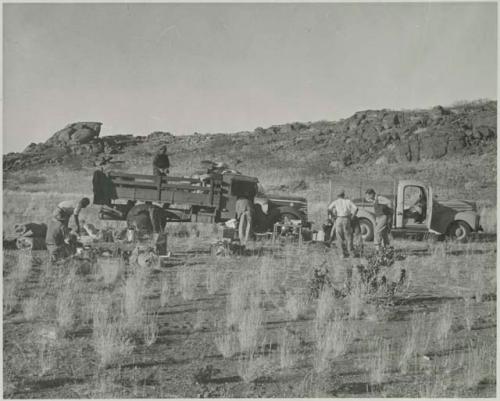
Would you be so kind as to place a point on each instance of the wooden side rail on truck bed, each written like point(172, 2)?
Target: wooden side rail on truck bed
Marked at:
point(167, 189)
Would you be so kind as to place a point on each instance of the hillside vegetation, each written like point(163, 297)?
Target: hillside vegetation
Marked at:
point(454, 148)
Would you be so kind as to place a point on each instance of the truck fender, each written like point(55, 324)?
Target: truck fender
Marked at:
point(363, 213)
point(469, 217)
point(290, 210)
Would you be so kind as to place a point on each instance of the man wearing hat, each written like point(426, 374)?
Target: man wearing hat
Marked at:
point(343, 209)
point(383, 217)
point(161, 163)
point(58, 231)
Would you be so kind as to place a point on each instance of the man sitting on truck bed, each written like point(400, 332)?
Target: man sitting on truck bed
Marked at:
point(161, 162)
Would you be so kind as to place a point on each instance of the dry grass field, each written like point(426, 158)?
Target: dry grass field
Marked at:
point(245, 326)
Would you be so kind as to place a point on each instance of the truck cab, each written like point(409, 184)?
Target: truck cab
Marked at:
point(417, 212)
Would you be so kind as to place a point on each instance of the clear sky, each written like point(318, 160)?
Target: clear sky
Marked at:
point(229, 67)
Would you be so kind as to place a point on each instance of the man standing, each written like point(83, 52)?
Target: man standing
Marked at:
point(383, 217)
point(58, 230)
point(244, 215)
point(343, 209)
point(161, 162)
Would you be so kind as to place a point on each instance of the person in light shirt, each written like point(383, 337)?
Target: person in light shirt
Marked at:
point(344, 210)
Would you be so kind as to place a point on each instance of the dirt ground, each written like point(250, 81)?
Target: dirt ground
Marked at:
point(450, 292)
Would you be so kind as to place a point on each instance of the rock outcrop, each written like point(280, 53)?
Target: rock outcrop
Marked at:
point(372, 136)
point(76, 134)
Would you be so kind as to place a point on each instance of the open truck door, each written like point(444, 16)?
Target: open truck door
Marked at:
point(432, 224)
point(399, 206)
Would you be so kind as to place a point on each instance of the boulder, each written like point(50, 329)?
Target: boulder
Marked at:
point(433, 145)
point(438, 112)
point(84, 136)
point(159, 136)
point(77, 133)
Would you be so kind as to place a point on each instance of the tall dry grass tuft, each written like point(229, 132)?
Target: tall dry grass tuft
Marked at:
point(250, 367)
point(267, 275)
point(109, 337)
point(187, 279)
point(332, 340)
point(24, 265)
point(444, 321)
point(109, 270)
point(133, 301)
point(289, 345)
point(112, 344)
point(199, 319)
point(480, 363)
point(379, 362)
point(468, 314)
point(150, 329)
point(226, 343)
point(416, 340)
point(164, 291)
point(477, 282)
point(66, 308)
point(9, 296)
point(32, 307)
point(436, 387)
point(295, 304)
point(238, 299)
point(325, 309)
point(66, 301)
point(250, 325)
point(356, 300)
point(214, 280)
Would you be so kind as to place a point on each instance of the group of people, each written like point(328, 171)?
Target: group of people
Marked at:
point(251, 217)
point(344, 212)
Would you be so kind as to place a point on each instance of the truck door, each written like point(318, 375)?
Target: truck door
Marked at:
point(429, 222)
point(400, 206)
point(413, 205)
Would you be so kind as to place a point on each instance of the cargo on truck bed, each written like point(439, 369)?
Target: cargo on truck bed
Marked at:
point(210, 198)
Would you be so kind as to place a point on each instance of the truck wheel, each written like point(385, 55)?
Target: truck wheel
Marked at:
point(289, 216)
point(366, 229)
point(459, 231)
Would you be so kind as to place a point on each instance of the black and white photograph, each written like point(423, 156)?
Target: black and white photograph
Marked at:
point(249, 200)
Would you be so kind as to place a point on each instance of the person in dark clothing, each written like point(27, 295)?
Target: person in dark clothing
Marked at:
point(103, 188)
point(161, 162)
point(265, 217)
point(147, 218)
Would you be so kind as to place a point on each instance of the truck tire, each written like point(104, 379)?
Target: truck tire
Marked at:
point(459, 231)
point(366, 229)
point(289, 216)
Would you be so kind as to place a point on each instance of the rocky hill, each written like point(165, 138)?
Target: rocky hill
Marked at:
point(367, 137)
